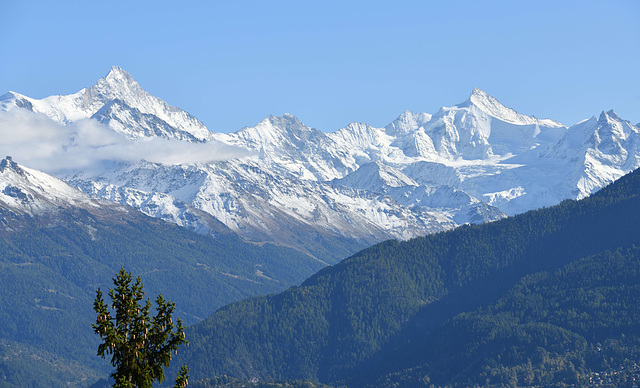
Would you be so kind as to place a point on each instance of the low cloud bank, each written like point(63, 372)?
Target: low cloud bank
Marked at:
point(36, 141)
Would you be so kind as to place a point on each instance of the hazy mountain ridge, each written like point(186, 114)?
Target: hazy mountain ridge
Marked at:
point(501, 161)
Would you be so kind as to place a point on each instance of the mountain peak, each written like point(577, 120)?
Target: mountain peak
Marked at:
point(408, 121)
point(285, 122)
point(116, 72)
point(275, 131)
point(118, 78)
point(484, 101)
point(608, 116)
point(8, 163)
point(488, 104)
point(611, 113)
point(479, 93)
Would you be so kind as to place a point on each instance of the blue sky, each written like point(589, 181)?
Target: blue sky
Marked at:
point(232, 63)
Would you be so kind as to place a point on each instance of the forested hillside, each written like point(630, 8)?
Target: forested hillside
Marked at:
point(445, 308)
point(51, 266)
point(551, 328)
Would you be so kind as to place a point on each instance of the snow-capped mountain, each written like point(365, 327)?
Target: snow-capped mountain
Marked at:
point(331, 193)
point(32, 192)
point(118, 97)
point(28, 192)
point(599, 150)
point(28, 195)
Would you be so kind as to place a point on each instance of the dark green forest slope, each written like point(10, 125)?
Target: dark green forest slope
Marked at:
point(446, 309)
point(549, 329)
point(51, 266)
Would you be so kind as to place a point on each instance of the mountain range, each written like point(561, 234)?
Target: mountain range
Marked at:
point(331, 194)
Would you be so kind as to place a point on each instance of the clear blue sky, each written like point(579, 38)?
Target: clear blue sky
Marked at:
point(232, 63)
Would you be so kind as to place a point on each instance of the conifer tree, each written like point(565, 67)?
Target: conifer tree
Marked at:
point(141, 346)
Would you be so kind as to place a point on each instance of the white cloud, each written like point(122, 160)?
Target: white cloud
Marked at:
point(38, 142)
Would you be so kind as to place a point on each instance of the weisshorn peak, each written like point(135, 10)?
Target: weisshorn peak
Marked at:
point(330, 194)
